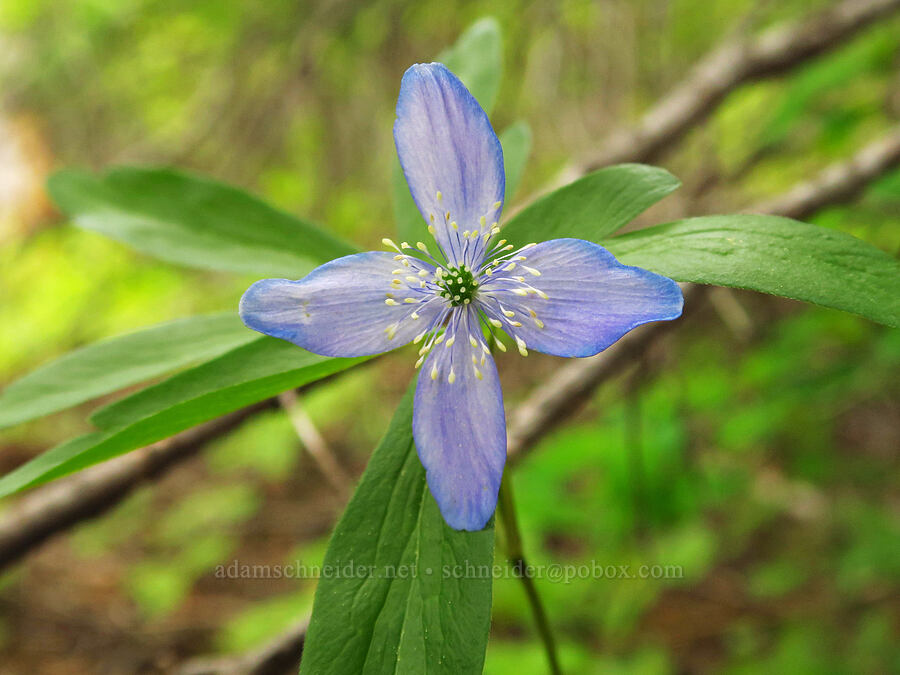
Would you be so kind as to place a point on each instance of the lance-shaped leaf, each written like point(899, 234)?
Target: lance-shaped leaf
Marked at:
point(194, 221)
point(113, 364)
point(400, 591)
point(246, 375)
point(592, 207)
point(771, 255)
point(516, 142)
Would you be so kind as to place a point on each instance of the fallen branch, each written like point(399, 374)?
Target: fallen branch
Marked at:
point(36, 517)
point(725, 69)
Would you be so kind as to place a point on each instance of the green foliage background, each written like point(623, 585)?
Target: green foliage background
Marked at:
point(760, 456)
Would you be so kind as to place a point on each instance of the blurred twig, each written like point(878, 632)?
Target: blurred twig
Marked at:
point(55, 508)
point(722, 71)
point(277, 657)
point(314, 443)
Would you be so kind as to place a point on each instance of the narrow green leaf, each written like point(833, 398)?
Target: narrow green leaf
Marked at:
point(193, 221)
point(477, 59)
point(110, 365)
point(592, 207)
point(516, 142)
point(246, 375)
point(400, 591)
point(410, 224)
point(771, 255)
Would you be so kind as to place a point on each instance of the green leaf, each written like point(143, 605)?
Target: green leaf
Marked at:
point(243, 376)
point(390, 599)
point(592, 207)
point(771, 255)
point(477, 59)
point(119, 362)
point(410, 224)
point(516, 142)
point(193, 221)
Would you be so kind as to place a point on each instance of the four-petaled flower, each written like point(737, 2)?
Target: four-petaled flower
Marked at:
point(566, 297)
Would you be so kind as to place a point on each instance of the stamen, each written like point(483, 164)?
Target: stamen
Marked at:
point(451, 378)
point(520, 343)
point(391, 302)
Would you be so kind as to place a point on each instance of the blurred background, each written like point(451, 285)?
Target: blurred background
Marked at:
point(755, 448)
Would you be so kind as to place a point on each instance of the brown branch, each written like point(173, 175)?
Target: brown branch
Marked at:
point(726, 68)
point(276, 658)
point(551, 403)
point(839, 182)
point(52, 509)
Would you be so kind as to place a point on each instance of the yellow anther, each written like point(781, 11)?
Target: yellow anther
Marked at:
point(520, 291)
point(540, 293)
point(508, 314)
point(398, 271)
point(520, 343)
point(389, 243)
point(391, 302)
point(414, 316)
point(510, 267)
point(434, 372)
point(405, 244)
point(539, 323)
point(412, 279)
point(473, 342)
point(500, 345)
point(431, 229)
point(453, 224)
point(422, 247)
point(439, 196)
point(450, 341)
point(440, 339)
point(419, 337)
point(410, 301)
point(478, 373)
point(482, 221)
point(451, 378)
point(497, 205)
point(517, 324)
point(494, 322)
point(419, 361)
point(391, 331)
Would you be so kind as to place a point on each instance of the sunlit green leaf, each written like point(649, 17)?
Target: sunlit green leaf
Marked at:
point(771, 255)
point(246, 375)
point(193, 221)
point(592, 207)
point(116, 363)
point(477, 60)
point(400, 592)
point(516, 142)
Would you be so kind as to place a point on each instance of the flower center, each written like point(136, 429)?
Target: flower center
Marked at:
point(457, 284)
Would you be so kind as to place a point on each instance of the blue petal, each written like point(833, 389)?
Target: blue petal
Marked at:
point(592, 299)
point(460, 431)
point(446, 144)
point(338, 309)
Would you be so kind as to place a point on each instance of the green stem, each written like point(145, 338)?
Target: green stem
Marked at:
point(517, 560)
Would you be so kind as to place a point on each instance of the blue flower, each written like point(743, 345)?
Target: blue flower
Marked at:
point(566, 297)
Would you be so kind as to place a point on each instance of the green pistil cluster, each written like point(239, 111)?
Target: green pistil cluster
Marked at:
point(458, 284)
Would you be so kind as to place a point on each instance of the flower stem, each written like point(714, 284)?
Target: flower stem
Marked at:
point(516, 557)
